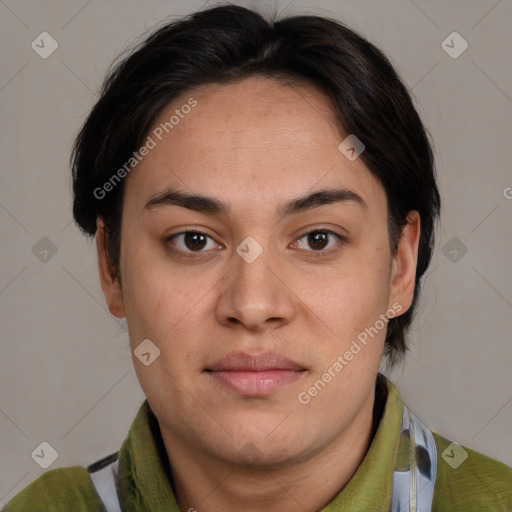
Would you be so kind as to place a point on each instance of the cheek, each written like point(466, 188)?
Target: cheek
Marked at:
point(351, 306)
point(164, 305)
point(157, 300)
point(147, 294)
point(353, 295)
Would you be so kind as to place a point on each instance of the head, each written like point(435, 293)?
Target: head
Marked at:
point(293, 247)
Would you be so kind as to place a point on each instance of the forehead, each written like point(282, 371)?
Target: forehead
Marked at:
point(253, 141)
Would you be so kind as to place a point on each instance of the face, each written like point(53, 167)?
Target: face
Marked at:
point(259, 309)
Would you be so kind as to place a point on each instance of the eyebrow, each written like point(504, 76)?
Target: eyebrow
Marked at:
point(214, 206)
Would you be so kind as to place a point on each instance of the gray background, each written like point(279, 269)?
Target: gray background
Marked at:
point(66, 374)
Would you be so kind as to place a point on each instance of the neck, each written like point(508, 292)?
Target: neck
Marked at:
point(206, 483)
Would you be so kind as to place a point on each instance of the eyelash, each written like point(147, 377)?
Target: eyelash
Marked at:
point(195, 254)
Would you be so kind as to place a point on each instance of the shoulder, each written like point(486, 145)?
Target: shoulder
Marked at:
point(57, 490)
point(470, 481)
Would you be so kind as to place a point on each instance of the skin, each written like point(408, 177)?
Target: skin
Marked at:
point(256, 144)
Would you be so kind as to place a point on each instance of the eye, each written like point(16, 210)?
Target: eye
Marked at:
point(191, 241)
point(320, 240)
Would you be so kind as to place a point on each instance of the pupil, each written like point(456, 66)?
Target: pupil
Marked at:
point(195, 240)
point(318, 237)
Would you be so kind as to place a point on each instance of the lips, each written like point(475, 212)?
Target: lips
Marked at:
point(255, 375)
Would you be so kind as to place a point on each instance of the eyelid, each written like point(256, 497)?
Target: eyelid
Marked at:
point(321, 227)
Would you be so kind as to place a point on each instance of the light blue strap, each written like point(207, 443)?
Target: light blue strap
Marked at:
point(104, 481)
point(415, 467)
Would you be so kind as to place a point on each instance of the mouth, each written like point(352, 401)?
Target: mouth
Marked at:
point(255, 375)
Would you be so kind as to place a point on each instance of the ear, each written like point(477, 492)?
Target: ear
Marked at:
point(403, 274)
point(109, 282)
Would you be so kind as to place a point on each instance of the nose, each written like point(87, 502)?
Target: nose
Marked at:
point(256, 294)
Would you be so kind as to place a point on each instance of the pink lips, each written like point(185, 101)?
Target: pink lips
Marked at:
point(255, 375)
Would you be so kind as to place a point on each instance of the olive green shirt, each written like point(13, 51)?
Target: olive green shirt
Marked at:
point(479, 483)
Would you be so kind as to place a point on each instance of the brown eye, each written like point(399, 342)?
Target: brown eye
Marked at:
point(191, 241)
point(195, 241)
point(319, 240)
